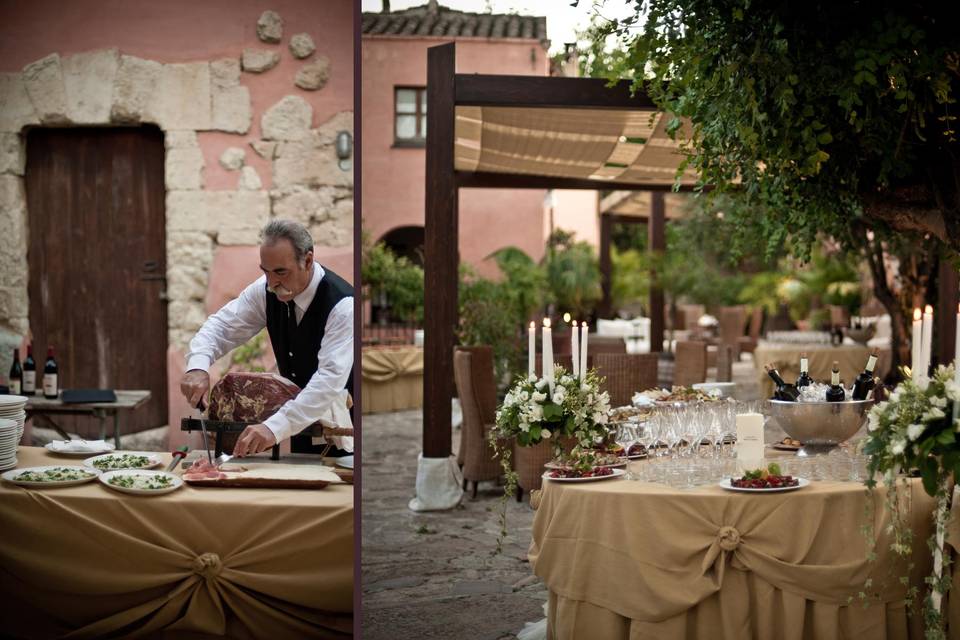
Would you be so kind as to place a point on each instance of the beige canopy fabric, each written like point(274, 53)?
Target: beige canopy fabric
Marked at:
point(637, 204)
point(638, 560)
point(89, 562)
point(595, 144)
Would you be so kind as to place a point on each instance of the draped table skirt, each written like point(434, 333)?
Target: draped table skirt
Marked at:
point(89, 562)
point(392, 378)
point(636, 561)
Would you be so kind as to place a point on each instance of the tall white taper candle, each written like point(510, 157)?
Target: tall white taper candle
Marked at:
point(584, 332)
point(927, 343)
point(531, 349)
point(575, 349)
point(548, 353)
point(916, 337)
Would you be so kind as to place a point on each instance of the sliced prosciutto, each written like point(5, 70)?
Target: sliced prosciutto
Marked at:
point(201, 469)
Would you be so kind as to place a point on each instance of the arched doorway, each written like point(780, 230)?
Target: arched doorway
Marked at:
point(406, 242)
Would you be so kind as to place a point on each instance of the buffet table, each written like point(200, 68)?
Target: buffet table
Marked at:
point(199, 562)
point(786, 356)
point(392, 378)
point(636, 560)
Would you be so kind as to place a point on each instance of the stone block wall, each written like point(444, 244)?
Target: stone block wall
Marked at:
point(110, 88)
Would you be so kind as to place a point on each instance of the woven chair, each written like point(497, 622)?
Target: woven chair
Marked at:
point(691, 315)
point(732, 321)
point(748, 343)
point(475, 386)
point(690, 363)
point(482, 362)
point(528, 463)
point(725, 363)
point(626, 374)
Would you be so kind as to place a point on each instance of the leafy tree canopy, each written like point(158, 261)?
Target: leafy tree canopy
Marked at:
point(819, 117)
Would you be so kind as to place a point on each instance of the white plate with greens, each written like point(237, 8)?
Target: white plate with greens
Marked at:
point(50, 476)
point(141, 481)
point(124, 460)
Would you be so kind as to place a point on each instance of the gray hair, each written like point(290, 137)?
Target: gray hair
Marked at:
point(295, 232)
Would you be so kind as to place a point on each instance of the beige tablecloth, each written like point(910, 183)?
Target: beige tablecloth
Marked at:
point(636, 560)
point(392, 378)
point(851, 357)
point(89, 562)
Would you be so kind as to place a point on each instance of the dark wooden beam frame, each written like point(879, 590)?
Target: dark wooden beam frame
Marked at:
point(441, 260)
point(445, 90)
point(658, 243)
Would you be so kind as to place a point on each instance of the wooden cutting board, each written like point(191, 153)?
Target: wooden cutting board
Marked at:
point(272, 476)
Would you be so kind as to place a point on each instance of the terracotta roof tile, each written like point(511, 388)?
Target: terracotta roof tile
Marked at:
point(420, 21)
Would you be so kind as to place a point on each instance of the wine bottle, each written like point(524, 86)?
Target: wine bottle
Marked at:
point(16, 374)
point(879, 391)
point(835, 393)
point(804, 380)
point(784, 391)
point(51, 388)
point(864, 382)
point(29, 373)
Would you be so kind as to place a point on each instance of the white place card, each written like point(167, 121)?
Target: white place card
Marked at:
point(749, 441)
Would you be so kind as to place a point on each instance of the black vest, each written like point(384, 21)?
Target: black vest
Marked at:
point(295, 346)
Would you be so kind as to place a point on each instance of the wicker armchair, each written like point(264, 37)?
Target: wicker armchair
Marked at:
point(725, 363)
point(690, 363)
point(732, 321)
point(528, 463)
point(475, 386)
point(626, 374)
point(748, 343)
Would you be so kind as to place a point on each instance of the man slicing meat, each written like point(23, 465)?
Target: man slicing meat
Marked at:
point(308, 312)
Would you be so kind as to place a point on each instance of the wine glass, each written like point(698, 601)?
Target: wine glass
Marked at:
point(626, 435)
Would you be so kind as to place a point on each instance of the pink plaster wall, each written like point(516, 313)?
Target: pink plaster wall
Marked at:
point(393, 179)
point(577, 211)
point(193, 31)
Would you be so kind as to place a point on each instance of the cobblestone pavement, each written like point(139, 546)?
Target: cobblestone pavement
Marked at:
point(434, 575)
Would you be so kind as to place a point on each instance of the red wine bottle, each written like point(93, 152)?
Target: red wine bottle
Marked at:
point(804, 380)
point(835, 393)
point(784, 391)
point(51, 387)
point(16, 374)
point(29, 373)
point(864, 382)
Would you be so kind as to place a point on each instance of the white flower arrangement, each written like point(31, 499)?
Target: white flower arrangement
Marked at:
point(912, 430)
point(576, 408)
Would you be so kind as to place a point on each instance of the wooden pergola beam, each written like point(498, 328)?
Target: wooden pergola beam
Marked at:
point(490, 180)
point(446, 90)
point(547, 92)
point(441, 260)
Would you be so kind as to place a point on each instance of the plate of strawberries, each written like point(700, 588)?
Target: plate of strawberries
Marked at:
point(768, 480)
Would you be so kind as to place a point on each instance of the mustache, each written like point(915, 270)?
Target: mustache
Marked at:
point(279, 290)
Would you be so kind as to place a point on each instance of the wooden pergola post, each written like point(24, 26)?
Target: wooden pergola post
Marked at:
point(440, 253)
point(606, 268)
point(657, 242)
point(948, 296)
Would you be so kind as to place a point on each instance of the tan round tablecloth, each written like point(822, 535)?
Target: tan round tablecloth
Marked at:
point(392, 379)
point(852, 358)
point(89, 562)
point(635, 560)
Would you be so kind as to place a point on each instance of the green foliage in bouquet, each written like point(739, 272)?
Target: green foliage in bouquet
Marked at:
point(576, 409)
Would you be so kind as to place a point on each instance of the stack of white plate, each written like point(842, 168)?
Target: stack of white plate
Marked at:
point(8, 444)
point(12, 408)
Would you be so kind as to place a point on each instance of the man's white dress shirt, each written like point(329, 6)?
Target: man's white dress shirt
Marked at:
point(244, 317)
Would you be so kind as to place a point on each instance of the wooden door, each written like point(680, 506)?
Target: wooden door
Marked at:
point(97, 261)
